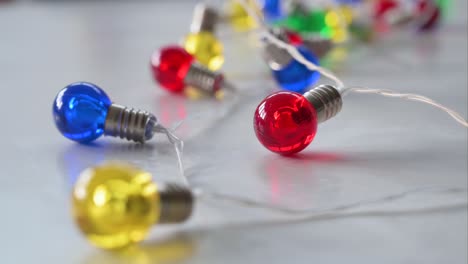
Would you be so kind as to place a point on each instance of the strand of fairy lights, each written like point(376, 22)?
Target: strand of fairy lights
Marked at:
point(340, 84)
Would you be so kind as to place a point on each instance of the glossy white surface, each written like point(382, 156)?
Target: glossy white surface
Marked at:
point(376, 146)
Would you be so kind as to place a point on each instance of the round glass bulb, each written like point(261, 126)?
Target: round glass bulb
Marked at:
point(295, 76)
point(170, 65)
point(114, 205)
point(272, 9)
point(285, 122)
point(431, 13)
point(206, 48)
point(80, 111)
point(240, 18)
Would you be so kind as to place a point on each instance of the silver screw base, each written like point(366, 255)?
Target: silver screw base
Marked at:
point(204, 79)
point(318, 46)
point(326, 100)
point(176, 203)
point(204, 18)
point(129, 123)
point(276, 57)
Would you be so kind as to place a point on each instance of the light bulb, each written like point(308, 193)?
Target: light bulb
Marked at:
point(240, 18)
point(286, 122)
point(427, 15)
point(329, 23)
point(290, 74)
point(115, 205)
point(201, 42)
point(272, 9)
point(174, 69)
point(83, 112)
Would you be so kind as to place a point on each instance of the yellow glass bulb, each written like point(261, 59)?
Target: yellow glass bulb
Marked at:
point(206, 49)
point(337, 21)
point(240, 18)
point(115, 205)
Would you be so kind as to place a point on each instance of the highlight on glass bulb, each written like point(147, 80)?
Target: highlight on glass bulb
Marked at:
point(272, 9)
point(174, 69)
point(286, 122)
point(83, 112)
point(115, 204)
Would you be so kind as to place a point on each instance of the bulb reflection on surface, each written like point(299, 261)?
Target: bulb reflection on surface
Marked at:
point(172, 250)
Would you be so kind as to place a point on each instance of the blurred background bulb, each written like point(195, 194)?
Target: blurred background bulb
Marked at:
point(174, 69)
point(116, 204)
point(201, 42)
point(239, 18)
point(288, 72)
point(206, 48)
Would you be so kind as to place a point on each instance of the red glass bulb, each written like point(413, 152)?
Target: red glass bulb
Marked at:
point(294, 38)
point(429, 10)
point(170, 65)
point(381, 7)
point(285, 122)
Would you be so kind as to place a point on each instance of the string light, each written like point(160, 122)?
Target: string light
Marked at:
point(116, 204)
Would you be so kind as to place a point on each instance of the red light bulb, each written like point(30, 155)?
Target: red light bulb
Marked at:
point(174, 69)
point(170, 66)
point(285, 122)
point(294, 38)
point(429, 14)
point(382, 7)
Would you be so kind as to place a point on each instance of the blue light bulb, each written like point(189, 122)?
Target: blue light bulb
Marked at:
point(80, 111)
point(296, 77)
point(272, 9)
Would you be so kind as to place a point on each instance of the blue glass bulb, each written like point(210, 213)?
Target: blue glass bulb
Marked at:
point(80, 111)
point(272, 9)
point(295, 76)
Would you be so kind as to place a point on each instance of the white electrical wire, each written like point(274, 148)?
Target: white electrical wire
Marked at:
point(178, 146)
point(411, 97)
point(250, 203)
point(289, 48)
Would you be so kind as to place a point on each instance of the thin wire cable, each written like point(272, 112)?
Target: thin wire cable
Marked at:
point(289, 48)
point(410, 97)
point(251, 203)
point(178, 147)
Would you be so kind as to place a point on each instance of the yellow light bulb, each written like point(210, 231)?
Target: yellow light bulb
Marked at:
point(240, 18)
point(115, 205)
point(205, 48)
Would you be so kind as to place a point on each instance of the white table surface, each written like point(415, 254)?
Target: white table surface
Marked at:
point(376, 146)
